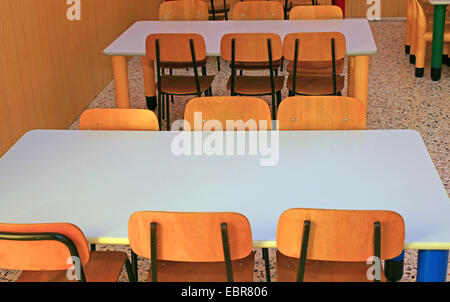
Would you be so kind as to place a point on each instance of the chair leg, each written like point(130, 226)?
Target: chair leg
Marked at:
point(129, 269)
point(274, 107)
point(134, 265)
point(218, 63)
point(420, 57)
point(278, 99)
point(265, 253)
point(159, 101)
point(168, 113)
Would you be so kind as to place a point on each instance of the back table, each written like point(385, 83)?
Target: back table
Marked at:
point(360, 45)
point(97, 179)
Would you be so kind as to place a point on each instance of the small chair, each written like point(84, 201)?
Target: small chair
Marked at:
point(118, 119)
point(423, 33)
point(253, 48)
point(193, 247)
point(257, 10)
point(187, 10)
point(241, 110)
point(173, 49)
point(290, 4)
point(308, 52)
point(315, 12)
point(316, 245)
point(321, 113)
point(46, 253)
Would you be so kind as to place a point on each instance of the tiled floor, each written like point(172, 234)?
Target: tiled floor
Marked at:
point(397, 100)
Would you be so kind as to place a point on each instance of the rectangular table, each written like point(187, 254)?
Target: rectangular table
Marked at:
point(440, 10)
point(360, 45)
point(97, 179)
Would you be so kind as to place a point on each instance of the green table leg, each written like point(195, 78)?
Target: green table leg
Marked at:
point(438, 41)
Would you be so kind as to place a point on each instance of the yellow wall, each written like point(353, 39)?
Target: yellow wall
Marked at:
point(52, 68)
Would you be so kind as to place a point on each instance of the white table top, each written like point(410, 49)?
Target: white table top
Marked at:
point(132, 42)
point(97, 179)
point(439, 2)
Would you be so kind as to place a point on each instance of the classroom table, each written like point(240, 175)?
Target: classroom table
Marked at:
point(440, 10)
point(359, 39)
point(97, 179)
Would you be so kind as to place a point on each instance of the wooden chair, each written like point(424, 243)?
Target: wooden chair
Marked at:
point(253, 48)
point(246, 113)
point(173, 49)
point(118, 119)
point(315, 12)
point(321, 113)
point(218, 9)
point(187, 10)
point(334, 245)
point(43, 252)
point(290, 4)
point(193, 247)
point(423, 32)
point(307, 52)
point(257, 10)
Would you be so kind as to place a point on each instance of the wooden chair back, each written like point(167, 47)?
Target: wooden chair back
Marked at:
point(251, 47)
point(314, 12)
point(118, 119)
point(258, 10)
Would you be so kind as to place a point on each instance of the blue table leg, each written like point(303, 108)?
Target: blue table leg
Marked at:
point(432, 266)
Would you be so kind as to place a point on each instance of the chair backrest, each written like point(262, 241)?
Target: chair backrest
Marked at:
point(22, 248)
point(314, 46)
point(190, 237)
point(340, 235)
point(118, 119)
point(313, 12)
point(321, 113)
point(243, 113)
point(251, 47)
point(186, 10)
point(258, 10)
point(176, 47)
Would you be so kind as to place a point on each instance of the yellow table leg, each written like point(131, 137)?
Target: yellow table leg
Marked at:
point(361, 79)
point(120, 73)
point(351, 77)
point(149, 82)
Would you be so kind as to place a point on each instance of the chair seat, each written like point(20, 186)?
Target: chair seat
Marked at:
point(316, 85)
point(323, 271)
point(183, 85)
point(316, 68)
point(175, 65)
point(103, 266)
point(255, 85)
point(171, 271)
point(256, 65)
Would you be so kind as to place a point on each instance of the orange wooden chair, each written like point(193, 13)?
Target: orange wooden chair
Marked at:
point(321, 113)
point(253, 48)
point(290, 4)
point(335, 245)
point(118, 119)
point(257, 10)
point(314, 12)
point(173, 49)
point(317, 62)
point(243, 113)
point(187, 10)
point(193, 247)
point(45, 253)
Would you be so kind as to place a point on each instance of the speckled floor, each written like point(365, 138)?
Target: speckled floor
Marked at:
point(397, 100)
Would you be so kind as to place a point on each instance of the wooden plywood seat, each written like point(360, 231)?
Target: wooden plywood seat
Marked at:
point(180, 65)
point(172, 271)
point(103, 266)
point(182, 85)
point(255, 85)
point(316, 68)
point(315, 85)
point(322, 271)
point(257, 65)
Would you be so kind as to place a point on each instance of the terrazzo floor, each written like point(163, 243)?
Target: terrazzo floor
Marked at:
point(397, 100)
